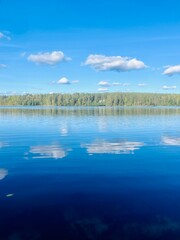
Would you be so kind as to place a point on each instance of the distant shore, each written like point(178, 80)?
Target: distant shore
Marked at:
point(92, 99)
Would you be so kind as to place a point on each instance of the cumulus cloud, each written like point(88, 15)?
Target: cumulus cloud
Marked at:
point(171, 70)
point(63, 80)
point(3, 173)
point(117, 147)
point(168, 87)
point(2, 65)
point(116, 84)
point(5, 36)
point(107, 84)
point(49, 151)
point(75, 81)
point(23, 54)
point(172, 141)
point(142, 84)
point(104, 84)
point(49, 58)
point(114, 63)
point(126, 84)
point(103, 89)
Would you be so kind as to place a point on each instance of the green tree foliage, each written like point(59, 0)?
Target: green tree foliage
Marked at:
point(92, 99)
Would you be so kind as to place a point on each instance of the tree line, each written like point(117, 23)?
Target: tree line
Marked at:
point(92, 99)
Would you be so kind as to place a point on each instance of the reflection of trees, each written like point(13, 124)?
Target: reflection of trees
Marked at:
point(90, 111)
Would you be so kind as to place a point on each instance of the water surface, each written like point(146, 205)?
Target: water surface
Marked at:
point(89, 173)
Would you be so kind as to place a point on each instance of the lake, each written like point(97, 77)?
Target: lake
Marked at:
point(89, 173)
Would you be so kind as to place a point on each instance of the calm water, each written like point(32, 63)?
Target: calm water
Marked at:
point(89, 173)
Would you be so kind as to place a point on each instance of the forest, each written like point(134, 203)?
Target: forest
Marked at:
point(92, 99)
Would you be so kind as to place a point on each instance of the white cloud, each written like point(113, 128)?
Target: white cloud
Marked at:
point(114, 63)
point(106, 147)
point(5, 36)
point(142, 84)
point(126, 84)
point(171, 70)
point(3, 173)
point(23, 54)
point(107, 84)
point(63, 80)
point(116, 84)
point(169, 87)
point(172, 141)
point(49, 151)
point(3, 93)
point(50, 58)
point(103, 89)
point(1, 35)
point(75, 81)
point(2, 65)
point(104, 84)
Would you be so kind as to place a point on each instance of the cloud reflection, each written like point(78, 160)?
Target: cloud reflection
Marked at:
point(106, 147)
point(3, 144)
point(172, 141)
point(3, 173)
point(64, 130)
point(49, 151)
point(102, 124)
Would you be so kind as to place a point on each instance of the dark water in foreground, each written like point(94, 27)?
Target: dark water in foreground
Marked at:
point(89, 173)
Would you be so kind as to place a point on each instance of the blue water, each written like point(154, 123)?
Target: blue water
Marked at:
point(89, 173)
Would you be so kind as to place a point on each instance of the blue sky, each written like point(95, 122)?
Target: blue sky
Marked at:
point(89, 46)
